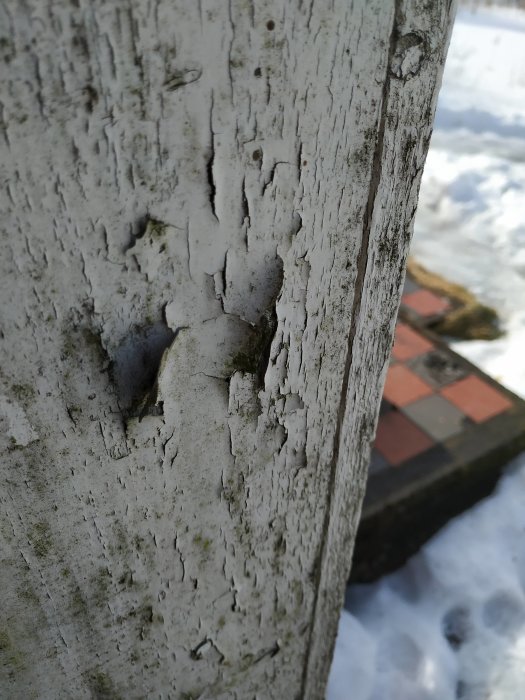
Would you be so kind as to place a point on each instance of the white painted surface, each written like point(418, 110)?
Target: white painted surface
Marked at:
point(469, 581)
point(206, 213)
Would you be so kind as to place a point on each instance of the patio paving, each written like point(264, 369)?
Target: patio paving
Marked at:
point(444, 433)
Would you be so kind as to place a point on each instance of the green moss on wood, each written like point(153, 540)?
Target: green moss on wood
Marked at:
point(101, 685)
point(28, 595)
point(79, 606)
point(203, 542)
point(252, 357)
point(10, 656)
point(154, 229)
point(40, 539)
point(101, 583)
point(23, 392)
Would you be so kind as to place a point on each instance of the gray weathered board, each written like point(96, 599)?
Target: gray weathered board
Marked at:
point(206, 208)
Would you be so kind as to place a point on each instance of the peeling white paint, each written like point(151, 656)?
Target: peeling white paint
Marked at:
point(19, 430)
point(206, 214)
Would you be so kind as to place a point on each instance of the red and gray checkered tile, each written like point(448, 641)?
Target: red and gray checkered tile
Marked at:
point(445, 432)
point(429, 397)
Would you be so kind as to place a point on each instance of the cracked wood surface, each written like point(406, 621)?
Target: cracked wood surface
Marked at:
point(206, 214)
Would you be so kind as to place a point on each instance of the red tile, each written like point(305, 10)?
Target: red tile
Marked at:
point(398, 439)
point(408, 343)
point(476, 398)
point(426, 303)
point(403, 386)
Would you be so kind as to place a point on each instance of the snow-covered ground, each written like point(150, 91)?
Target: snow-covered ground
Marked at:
point(451, 624)
point(470, 225)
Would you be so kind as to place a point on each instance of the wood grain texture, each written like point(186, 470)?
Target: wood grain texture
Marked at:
point(206, 213)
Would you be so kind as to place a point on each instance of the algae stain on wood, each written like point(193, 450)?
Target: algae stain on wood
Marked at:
point(182, 483)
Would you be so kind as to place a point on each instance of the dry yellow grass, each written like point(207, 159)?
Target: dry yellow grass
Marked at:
point(469, 319)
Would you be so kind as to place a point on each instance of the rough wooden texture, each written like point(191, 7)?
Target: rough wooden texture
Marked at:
point(206, 208)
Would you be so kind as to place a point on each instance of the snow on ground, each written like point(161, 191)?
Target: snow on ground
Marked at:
point(451, 624)
point(470, 225)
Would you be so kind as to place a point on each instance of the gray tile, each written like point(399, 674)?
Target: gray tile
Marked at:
point(385, 407)
point(438, 368)
point(377, 462)
point(410, 286)
point(437, 417)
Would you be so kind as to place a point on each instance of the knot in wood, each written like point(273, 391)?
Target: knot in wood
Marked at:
point(410, 53)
